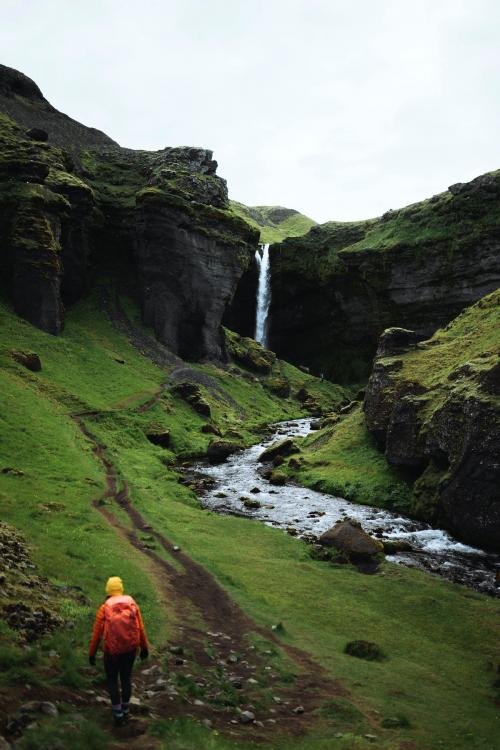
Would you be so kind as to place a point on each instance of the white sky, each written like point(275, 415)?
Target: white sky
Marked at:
point(338, 108)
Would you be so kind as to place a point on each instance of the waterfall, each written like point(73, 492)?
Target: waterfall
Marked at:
point(263, 294)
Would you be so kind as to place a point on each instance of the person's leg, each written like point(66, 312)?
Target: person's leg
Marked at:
point(125, 665)
point(111, 667)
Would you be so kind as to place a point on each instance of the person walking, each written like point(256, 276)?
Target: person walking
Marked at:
point(119, 624)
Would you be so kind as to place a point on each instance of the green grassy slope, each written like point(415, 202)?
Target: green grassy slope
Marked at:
point(274, 222)
point(449, 221)
point(440, 640)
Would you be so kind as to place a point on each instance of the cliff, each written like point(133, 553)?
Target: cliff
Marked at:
point(75, 206)
point(434, 409)
point(336, 289)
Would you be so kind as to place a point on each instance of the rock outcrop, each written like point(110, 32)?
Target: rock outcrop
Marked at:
point(337, 288)
point(157, 221)
point(435, 411)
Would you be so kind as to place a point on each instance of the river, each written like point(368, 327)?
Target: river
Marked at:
point(307, 513)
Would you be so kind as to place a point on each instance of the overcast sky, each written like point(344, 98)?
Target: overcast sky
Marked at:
point(338, 108)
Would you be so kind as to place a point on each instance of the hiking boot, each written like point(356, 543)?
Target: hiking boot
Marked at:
point(119, 718)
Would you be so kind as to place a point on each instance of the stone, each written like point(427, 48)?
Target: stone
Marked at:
point(219, 450)
point(393, 546)
point(48, 708)
point(351, 540)
point(278, 478)
point(37, 134)
point(247, 717)
point(30, 360)
point(177, 650)
point(4, 745)
point(161, 438)
point(363, 650)
point(210, 429)
point(281, 448)
point(298, 710)
point(250, 504)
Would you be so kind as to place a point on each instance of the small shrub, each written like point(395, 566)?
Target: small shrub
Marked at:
point(364, 650)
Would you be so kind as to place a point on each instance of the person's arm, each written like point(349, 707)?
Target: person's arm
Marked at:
point(144, 645)
point(97, 632)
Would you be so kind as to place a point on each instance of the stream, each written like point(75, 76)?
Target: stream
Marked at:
point(307, 514)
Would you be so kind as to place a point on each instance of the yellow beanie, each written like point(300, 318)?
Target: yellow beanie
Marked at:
point(114, 586)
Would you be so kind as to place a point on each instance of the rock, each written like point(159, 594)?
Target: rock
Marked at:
point(294, 464)
point(351, 540)
point(177, 650)
point(298, 710)
point(371, 737)
point(255, 490)
point(396, 341)
point(219, 450)
point(281, 448)
point(247, 717)
point(4, 745)
point(278, 478)
point(30, 360)
point(13, 471)
point(210, 429)
point(192, 394)
point(394, 722)
point(250, 503)
point(161, 438)
point(393, 546)
point(48, 708)
point(364, 650)
point(37, 134)
point(279, 386)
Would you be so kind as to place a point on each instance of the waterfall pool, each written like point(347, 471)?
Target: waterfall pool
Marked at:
point(307, 513)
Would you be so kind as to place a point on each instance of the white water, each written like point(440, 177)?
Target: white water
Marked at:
point(263, 294)
point(311, 513)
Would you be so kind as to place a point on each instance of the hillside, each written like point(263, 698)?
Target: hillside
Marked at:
point(431, 419)
point(336, 289)
point(275, 223)
point(98, 397)
point(128, 386)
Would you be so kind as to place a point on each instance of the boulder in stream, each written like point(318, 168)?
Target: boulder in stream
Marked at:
point(281, 448)
point(351, 540)
point(219, 450)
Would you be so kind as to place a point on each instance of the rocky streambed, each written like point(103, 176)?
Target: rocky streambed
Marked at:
point(237, 487)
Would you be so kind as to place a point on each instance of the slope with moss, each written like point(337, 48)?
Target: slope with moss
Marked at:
point(275, 223)
point(337, 288)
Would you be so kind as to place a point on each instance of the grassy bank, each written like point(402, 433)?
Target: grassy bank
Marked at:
point(439, 640)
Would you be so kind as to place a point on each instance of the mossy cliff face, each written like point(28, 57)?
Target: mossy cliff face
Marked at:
point(337, 288)
point(435, 410)
point(159, 221)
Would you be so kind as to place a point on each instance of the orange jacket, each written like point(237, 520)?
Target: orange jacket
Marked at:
point(98, 631)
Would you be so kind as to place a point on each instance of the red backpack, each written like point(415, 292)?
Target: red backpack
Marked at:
point(121, 626)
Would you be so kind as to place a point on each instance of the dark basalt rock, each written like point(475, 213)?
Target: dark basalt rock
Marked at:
point(30, 360)
point(37, 134)
point(351, 540)
point(447, 438)
point(159, 438)
point(219, 450)
point(281, 448)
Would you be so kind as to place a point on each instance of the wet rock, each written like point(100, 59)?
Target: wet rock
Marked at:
point(255, 490)
point(364, 650)
point(393, 546)
point(351, 540)
point(30, 360)
point(278, 478)
point(281, 448)
point(219, 450)
point(250, 503)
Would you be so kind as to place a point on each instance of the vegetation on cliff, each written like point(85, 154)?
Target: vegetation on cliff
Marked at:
point(275, 223)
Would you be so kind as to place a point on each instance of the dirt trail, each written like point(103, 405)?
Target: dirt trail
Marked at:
point(213, 632)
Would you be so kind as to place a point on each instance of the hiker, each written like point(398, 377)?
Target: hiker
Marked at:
point(119, 623)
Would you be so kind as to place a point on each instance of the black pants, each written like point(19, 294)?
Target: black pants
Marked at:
point(119, 665)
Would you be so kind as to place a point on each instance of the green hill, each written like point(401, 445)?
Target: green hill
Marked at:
point(274, 222)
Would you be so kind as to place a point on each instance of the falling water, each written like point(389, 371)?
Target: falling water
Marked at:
point(263, 294)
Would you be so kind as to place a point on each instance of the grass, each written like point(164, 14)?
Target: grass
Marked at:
point(439, 638)
point(274, 222)
point(343, 460)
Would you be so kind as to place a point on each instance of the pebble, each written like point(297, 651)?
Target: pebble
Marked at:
point(247, 717)
point(197, 702)
point(176, 549)
point(298, 710)
point(371, 737)
point(206, 723)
